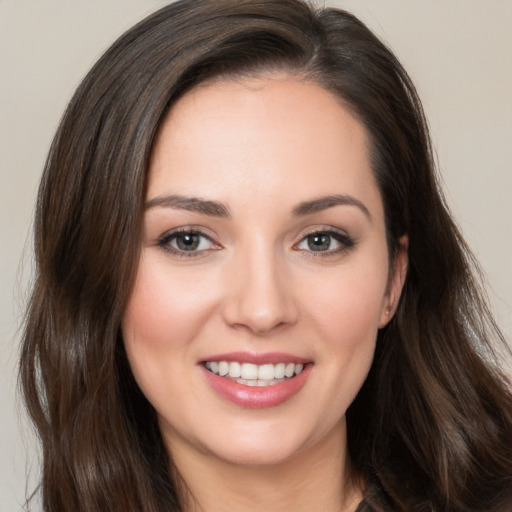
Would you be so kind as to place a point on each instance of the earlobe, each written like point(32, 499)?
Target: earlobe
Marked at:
point(396, 281)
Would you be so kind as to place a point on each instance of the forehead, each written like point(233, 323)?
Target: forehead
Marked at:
point(268, 135)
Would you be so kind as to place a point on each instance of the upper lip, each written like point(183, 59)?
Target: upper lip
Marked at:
point(257, 358)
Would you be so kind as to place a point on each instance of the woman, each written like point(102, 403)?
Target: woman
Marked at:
point(250, 294)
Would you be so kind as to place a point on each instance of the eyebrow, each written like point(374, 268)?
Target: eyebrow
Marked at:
point(192, 204)
point(217, 209)
point(323, 203)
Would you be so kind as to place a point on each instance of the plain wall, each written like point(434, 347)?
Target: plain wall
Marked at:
point(458, 52)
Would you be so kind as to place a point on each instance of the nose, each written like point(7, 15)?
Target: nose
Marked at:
point(261, 297)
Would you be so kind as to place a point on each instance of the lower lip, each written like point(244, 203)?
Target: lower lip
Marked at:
point(255, 397)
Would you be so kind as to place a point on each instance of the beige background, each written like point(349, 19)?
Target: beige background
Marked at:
point(457, 51)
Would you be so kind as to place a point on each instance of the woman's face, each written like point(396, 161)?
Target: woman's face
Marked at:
point(264, 256)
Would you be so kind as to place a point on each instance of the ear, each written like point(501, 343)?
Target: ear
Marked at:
point(396, 281)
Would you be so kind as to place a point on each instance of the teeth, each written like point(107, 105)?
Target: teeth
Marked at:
point(223, 368)
point(234, 370)
point(289, 370)
point(266, 372)
point(259, 382)
point(249, 371)
point(279, 370)
point(254, 375)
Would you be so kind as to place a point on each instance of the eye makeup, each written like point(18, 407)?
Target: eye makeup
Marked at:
point(326, 242)
point(189, 242)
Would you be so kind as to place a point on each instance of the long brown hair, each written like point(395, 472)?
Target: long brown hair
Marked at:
point(431, 428)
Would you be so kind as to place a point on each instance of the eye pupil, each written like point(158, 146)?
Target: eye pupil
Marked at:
point(187, 241)
point(319, 242)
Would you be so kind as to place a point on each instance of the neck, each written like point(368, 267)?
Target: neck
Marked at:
point(318, 478)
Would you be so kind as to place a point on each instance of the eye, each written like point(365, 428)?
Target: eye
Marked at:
point(186, 243)
point(326, 242)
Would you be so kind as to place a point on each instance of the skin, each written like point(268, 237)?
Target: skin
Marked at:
point(261, 146)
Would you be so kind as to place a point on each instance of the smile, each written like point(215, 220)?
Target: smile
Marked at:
point(256, 381)
point(249, 374)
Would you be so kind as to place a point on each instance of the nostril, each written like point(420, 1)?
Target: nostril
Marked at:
point(260, 320)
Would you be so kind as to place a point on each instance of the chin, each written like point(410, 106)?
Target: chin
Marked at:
point(261, 443)
point(258, 454)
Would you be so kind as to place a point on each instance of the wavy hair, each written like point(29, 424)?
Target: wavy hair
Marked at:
point(431, 428)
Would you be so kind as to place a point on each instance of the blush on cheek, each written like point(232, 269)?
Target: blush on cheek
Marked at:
point(165, 303)
point(351, 311)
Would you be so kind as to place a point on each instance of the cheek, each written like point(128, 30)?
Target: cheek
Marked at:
point(165, 313)
point(166, 307)
point(345, 314)
point(347, 307)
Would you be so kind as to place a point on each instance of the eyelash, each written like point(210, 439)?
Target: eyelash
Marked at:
point(164, 242)
point(346, 243)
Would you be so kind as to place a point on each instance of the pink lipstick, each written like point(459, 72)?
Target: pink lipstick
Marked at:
point(254, 380)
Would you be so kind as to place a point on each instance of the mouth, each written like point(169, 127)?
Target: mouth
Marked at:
point(256, 380)
point(255, 375)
